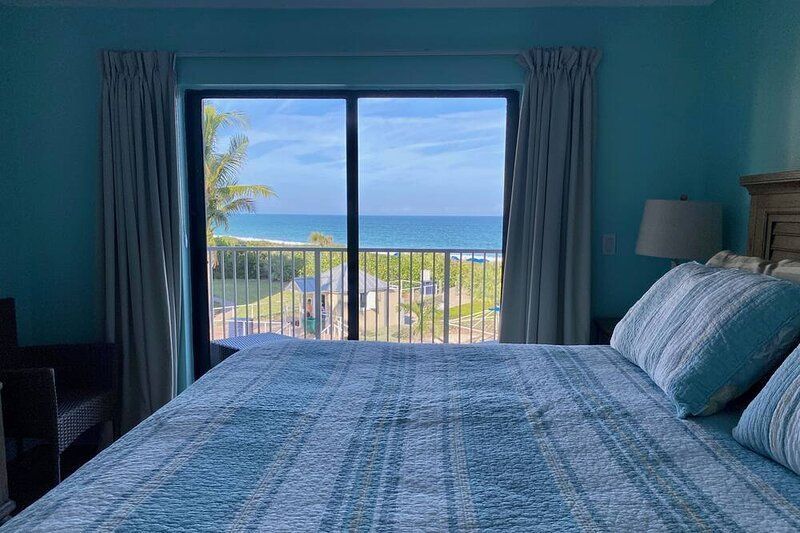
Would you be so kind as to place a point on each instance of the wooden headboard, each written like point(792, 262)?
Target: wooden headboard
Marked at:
point(774, 229)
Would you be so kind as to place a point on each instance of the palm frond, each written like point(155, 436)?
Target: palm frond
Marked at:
point(214, 121)
point(224, 194)
point(239, 205)
point(228, 165)
point(250, 191)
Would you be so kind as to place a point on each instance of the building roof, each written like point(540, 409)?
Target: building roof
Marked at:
point(335, 281)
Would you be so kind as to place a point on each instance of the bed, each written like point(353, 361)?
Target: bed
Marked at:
point(310, 435)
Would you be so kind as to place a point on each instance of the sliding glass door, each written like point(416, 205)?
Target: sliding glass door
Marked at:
point(431, 176)
point(345, 215)
point(276, 216)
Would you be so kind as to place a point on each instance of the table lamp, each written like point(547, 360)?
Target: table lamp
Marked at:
point(680, 229)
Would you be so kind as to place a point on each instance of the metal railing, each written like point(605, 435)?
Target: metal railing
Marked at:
point(405, 295)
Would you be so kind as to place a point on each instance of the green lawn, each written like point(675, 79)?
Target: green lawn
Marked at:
point(468, 308)
point(248, 301)
point(246, 292)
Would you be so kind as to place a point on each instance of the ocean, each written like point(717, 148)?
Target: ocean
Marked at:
point(374, 231)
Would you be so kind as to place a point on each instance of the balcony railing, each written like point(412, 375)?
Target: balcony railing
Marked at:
point(405, 295)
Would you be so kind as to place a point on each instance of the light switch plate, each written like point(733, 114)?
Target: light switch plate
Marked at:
point(609, 244)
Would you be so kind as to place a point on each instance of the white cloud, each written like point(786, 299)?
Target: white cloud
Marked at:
point(440, 163)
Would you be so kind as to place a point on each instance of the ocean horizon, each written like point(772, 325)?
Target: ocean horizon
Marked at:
point(375, 231)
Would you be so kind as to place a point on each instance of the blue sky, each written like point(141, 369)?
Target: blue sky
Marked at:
point(418, 156)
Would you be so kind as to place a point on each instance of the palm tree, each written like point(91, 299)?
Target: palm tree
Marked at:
point(224, 194)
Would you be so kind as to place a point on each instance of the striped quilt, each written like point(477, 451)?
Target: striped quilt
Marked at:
point(304, 435)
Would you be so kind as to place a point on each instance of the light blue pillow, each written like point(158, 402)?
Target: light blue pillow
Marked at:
point(771, 423)
point(705, 335)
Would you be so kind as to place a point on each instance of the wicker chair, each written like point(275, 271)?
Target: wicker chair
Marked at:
point(53, 394)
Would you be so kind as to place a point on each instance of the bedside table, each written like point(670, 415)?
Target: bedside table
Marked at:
point(603, 328)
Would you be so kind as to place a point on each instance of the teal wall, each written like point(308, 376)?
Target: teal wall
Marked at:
point(753, 72)
point(654, 137)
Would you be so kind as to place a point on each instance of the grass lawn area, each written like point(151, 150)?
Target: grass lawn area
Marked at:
point(247, 296)
point(249, 289)
point(468, 308)
point(248, 293)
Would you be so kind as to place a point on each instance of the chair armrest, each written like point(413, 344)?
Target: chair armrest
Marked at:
point(76, 365)
point(30, 408)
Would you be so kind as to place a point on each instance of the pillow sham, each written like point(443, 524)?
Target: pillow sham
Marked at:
point(728, 259)
point(784, 269)
point(705, 335)
point(771, 423)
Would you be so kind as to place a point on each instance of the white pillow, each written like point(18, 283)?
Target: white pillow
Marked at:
point(728, 259)
point(784, 269)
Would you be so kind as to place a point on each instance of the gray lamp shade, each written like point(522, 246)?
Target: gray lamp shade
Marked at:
point(680, 229)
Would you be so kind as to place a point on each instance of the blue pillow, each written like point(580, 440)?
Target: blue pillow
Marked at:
point(771, 423)
point(705, 335)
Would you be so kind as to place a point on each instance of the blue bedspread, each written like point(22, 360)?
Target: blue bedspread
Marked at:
point(300, 436)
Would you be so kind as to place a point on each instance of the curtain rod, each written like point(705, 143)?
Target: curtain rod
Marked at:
point(381, 53)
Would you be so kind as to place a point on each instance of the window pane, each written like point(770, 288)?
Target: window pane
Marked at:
point(431, 174)
point(277, 216)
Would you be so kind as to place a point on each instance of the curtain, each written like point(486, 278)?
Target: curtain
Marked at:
point(141, 211)
point(546, 278)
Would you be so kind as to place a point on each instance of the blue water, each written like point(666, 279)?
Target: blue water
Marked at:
point(375, 231)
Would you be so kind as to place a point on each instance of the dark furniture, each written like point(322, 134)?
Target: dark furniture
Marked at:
point(602, 329)
point(52, 395)
point(7, 505)
point(221, 349)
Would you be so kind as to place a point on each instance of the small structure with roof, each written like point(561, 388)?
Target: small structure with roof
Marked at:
point(378, 300)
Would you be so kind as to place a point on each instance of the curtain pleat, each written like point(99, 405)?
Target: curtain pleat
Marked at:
point(141, 210)
point(547, 270)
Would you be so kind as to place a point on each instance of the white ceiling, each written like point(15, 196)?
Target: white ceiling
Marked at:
point(349, 4)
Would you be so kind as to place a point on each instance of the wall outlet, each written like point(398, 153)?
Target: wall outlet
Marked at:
point(610, 244)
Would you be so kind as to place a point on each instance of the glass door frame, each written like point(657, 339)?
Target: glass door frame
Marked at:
point(193, 123)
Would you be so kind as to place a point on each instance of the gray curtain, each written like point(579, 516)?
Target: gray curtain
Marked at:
point(546, 278)
point(141, 225)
